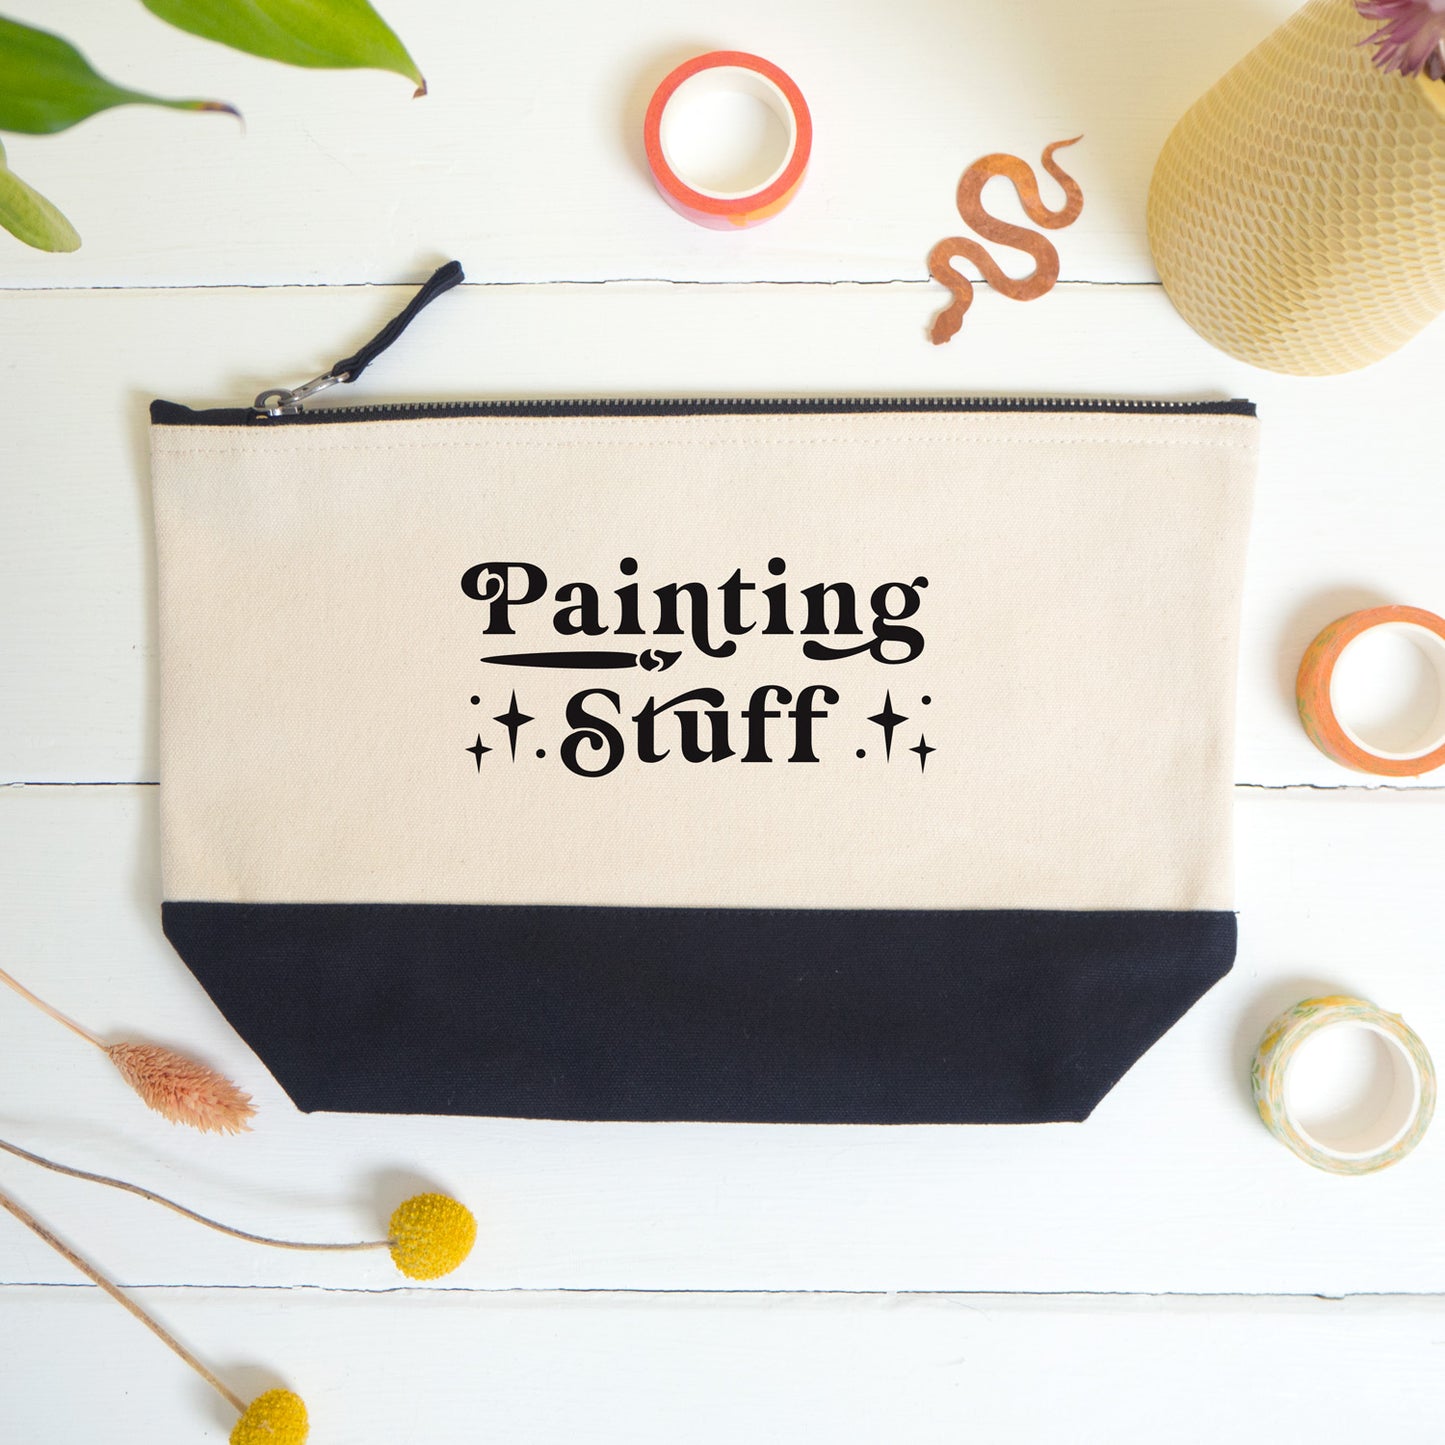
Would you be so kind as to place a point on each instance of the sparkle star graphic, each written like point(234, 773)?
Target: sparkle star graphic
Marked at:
point(514, 719)
point(888, 720)
point(923, 751)
point(477, 749)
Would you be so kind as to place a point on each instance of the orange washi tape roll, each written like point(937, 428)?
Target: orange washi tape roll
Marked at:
point(708, 75)
point(1314, 692)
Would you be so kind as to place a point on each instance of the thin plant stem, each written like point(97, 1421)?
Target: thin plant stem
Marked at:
point(93, 1274)
point(54, 1013)
point(160, 1199)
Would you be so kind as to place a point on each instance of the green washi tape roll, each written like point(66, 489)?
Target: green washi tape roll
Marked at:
point(1401, 1124)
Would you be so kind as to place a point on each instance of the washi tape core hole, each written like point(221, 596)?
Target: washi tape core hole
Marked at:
point(728, 132)
point(1387, 691)
point(1352, 1090)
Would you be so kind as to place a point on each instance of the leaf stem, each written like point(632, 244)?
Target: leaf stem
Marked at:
point(171, 1204)
point(93, 1274)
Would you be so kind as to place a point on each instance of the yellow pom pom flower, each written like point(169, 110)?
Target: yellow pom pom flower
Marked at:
point(431, 1235)
point(276, 1418)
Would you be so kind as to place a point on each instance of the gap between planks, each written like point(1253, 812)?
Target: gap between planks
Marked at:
point(539, 282)
point(1201, 1297)
point(1401, 788)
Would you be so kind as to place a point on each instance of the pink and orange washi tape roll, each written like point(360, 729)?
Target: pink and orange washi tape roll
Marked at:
point(707, 75)
point(1315, 693)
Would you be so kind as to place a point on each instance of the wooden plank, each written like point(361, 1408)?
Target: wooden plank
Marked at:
point(1173, 1185)
point(1348, 511)
point(432, 1365)
point(526, 156)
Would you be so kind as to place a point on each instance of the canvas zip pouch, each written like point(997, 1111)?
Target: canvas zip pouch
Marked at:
point(834, 761)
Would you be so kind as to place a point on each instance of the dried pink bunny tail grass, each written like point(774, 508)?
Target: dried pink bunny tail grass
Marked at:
point(184, 1091)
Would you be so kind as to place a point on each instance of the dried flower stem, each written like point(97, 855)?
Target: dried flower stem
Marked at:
point(160, 1199)
point(93, 1274)
point(54, 1013)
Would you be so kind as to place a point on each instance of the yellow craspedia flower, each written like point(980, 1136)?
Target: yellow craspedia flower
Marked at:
point(431, 1235)
point(276, 1418)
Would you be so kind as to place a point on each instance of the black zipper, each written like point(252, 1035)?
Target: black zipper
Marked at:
point(287, 405)
point(170, 413)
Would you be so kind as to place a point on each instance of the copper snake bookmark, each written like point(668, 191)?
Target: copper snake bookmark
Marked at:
point(970, 207)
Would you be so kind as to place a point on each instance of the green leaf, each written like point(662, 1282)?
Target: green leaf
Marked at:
point(47, 85)
point(29, 217)
point(322, 34)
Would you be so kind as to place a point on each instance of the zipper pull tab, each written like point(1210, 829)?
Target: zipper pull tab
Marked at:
point(284, 401)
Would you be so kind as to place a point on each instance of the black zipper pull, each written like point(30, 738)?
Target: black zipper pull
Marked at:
point(283, 401)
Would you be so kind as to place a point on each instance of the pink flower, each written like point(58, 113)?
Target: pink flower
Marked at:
point(1412, 39)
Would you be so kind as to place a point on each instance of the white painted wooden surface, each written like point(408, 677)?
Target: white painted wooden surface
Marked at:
point(527, 154)
point(718, 1369)
point(524, 162)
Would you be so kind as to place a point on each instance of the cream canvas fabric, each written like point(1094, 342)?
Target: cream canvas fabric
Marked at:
point(1077, 648)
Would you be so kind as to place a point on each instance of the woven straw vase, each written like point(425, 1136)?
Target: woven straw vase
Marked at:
point(1297, 213)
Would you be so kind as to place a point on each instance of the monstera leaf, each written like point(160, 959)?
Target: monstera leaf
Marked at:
point(47, 85)
point(29, 217)
point(322, 34)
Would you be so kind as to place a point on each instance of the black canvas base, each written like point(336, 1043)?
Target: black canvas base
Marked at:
point(741, 1015)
